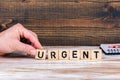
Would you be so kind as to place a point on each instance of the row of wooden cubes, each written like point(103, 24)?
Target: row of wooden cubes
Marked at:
point(69, 54)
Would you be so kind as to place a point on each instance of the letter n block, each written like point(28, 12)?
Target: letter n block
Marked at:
point(96, 54)
point(85, 54)
point(40, 54)
point(53, 54)
point(63, 54)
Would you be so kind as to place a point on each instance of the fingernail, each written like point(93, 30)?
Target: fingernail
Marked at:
point(32, 52)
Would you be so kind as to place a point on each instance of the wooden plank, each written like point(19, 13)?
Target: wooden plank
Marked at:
point(46, 10)
point(84, 22)
point(74, 31)
point(59, 0)
point(55, 10)
point(23, 68)
point(53, 33)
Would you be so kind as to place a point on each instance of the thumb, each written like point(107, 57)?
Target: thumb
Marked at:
point(28, 49)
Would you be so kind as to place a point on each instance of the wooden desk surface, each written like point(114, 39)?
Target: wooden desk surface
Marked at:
point(22, 68)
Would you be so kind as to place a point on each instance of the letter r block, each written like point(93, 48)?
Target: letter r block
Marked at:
point(53, 54)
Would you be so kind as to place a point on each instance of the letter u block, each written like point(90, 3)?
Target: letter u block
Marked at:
point(40, 54)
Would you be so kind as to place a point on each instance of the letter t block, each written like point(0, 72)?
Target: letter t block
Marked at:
point(96, 54)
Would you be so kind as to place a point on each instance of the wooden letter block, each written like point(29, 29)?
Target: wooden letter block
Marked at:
point(96, 54)
point(53, 55)
point(74, 55)
point(40, 54)
point(63, 54)
point(85, 54)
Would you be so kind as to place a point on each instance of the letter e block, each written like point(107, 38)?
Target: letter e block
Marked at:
point(74, 55)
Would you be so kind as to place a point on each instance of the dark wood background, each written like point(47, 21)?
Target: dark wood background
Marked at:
point(65, 22)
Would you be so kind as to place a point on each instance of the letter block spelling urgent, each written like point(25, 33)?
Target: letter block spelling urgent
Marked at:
point(69, 54)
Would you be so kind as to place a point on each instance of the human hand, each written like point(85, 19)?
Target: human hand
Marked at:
point(115, 46)
point(10, 41)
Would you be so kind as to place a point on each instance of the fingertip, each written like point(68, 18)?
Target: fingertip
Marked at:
point(38, 45)
point(18, 24)
point(41, 47)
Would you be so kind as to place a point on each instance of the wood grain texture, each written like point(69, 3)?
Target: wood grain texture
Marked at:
point(14, 68)
point(66, 22)
point(55, 10)
point(75, 31)
point(49, 10)
point(102, 1)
